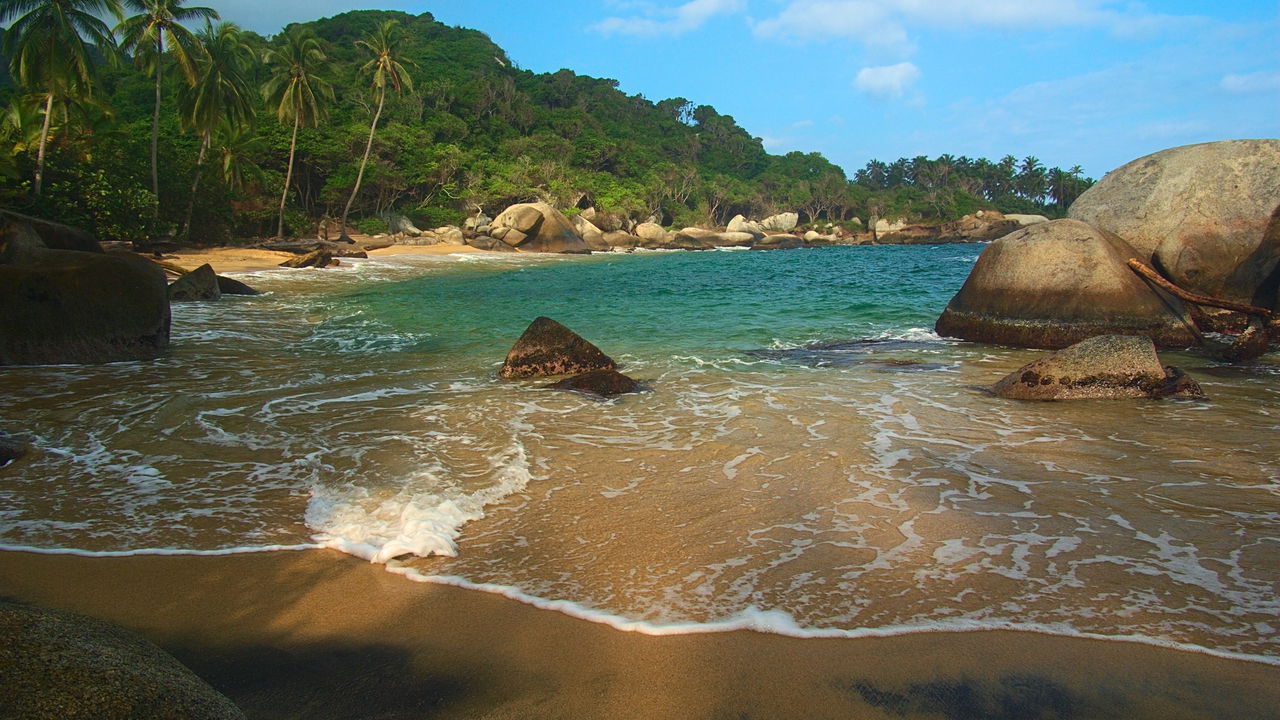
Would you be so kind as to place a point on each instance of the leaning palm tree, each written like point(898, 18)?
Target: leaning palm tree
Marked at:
point(386, 66)
point(144, 34)
point(220, 94)
point(295, 88)
point(48, 53)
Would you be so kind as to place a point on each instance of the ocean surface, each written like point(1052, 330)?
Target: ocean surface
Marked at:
point(808, 458)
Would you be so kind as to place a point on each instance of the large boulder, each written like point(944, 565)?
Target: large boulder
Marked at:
point(198, 285)
point(54, 236)
point(653, 236)
point(740, 224)
point(1106, 366)
point(549, 348)
point(318, 259)
point(1197, 212)
point(782, 222)
point(621, 240)
point(63, 666)
point(11, 450)
point(778, 242)
point(590, 234)
point(1054, 284)
point(544, 229)
point(70, 306)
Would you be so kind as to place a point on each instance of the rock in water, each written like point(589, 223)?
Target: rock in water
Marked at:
point(198, 285)
point(1107, 366)
point(1198, 213)
point(549, 348)
point(1054, 284)
point(605, 383)
point(231, 286)
point(316, 259)
point(11, 450)
point(64, 666)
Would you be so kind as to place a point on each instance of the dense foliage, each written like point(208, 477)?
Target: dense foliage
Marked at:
point(246, 147)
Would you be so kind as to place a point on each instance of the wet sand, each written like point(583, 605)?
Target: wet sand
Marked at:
point(233, 259)
point(318, 634)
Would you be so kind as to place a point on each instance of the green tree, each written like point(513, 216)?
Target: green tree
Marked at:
point(144, 34)
point(295, 88)
point(387, 66)
point(48, 53)
point(219, 96)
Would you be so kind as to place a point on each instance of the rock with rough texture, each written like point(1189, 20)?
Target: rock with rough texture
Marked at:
point(398, 224)
point(732, 239)
point(317, 259)
point(199, 285)
point(63, 666)
point(231, 286)
point(604, 383)
point(1197, 212)
point(449, 234)
point(69, 306)
point(1054, 284)
point(653, 235)
point(740, 224)
point(544, 228)
point(549, 348)
point(590, 234)
point(621, 240)
point(1023, 219)
point(478, 221)
point(782, 222)
point(1106, 366)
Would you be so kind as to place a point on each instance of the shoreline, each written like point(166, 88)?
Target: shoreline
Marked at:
point(228, 259)
point(317, 633)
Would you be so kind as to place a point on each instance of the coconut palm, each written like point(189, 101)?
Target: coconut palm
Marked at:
point(386, 66)
point(144, 35)
point(48, 53)
point(295, 88)
point(220, 94)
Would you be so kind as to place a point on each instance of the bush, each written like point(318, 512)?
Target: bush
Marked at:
point(434, 217)
point(371, 226)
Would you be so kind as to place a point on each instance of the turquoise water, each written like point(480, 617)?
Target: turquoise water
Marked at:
point(809, 454)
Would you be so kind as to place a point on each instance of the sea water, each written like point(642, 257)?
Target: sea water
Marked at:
point(808, 456)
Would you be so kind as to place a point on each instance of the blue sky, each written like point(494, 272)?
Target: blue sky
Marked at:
point(1089, 82)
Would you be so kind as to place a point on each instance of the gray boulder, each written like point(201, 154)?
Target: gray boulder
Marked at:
point(1198, 213)
point(1107, 366)
point(398, 224)
point(1054, 284)
point(652, 235)
point(199, 285)
point(63, 666)
point(590, 234)
point(544, 229)
point(782, 222)
point(549, 348)
point(740, 224)
point(70, 306)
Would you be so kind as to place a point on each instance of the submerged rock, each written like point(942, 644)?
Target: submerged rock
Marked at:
point(604, 383)
point(64, 666)
point(1053, 284)
point(11, 450)
point(199, 285)
point(1107, 366)
point(549, 348)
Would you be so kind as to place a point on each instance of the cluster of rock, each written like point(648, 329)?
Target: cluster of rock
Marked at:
point(981, 226)
point(547, 348)
point(1204, 216)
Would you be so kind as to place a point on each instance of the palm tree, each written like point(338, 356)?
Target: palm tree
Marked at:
point(386, 66)
point(295, 88)
point(220, 94)
point(145, 35)
point(48, 53)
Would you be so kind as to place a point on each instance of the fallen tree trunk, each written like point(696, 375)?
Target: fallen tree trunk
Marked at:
point(1163, 284)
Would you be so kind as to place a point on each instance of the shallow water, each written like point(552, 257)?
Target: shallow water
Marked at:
point(808, 451)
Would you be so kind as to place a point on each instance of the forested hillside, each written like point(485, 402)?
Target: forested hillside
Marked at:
point(459, 128)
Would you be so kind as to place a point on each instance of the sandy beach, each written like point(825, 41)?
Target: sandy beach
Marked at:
point(236, 259)
point(317, 634)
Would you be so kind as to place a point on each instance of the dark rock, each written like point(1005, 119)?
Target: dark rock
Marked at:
point(68, 306)
point(231, 286)
point(605, 383)
point(198, 285)
point(11, 450)
point(308, 247)
point(1251, 344)
point(63, 666)
point(1054, 284)
point(376, 244)
point(317, 259)
point(54, 236)
point(621, 240)
point(549, 348)
point(778, 242)
point(1107, 366)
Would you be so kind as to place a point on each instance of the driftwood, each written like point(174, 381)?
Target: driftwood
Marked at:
point(1155, 277)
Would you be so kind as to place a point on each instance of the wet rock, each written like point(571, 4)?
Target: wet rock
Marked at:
point(1053, 284)
point(231, 286)
point(317, 259)
point(549, 348)
point(778, 242)
point(64, 666)
point(11, 450)
point(1103, 367)
point(604, 383)
point(199, 285)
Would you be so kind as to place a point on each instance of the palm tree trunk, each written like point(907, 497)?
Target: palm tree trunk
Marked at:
point(44, 141)
point(382, 96)
point(195, 184)
point(155, 140)
point(288, 177)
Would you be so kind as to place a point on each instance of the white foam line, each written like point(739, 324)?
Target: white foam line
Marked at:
point(779, 622)
point(160, 551)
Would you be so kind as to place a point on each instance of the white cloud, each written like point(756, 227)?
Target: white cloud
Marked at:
point(887, 81)
point(670, 21)
point(1258, 82)
point(870, 22)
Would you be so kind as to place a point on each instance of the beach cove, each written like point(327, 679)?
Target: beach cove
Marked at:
point(809, 460)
